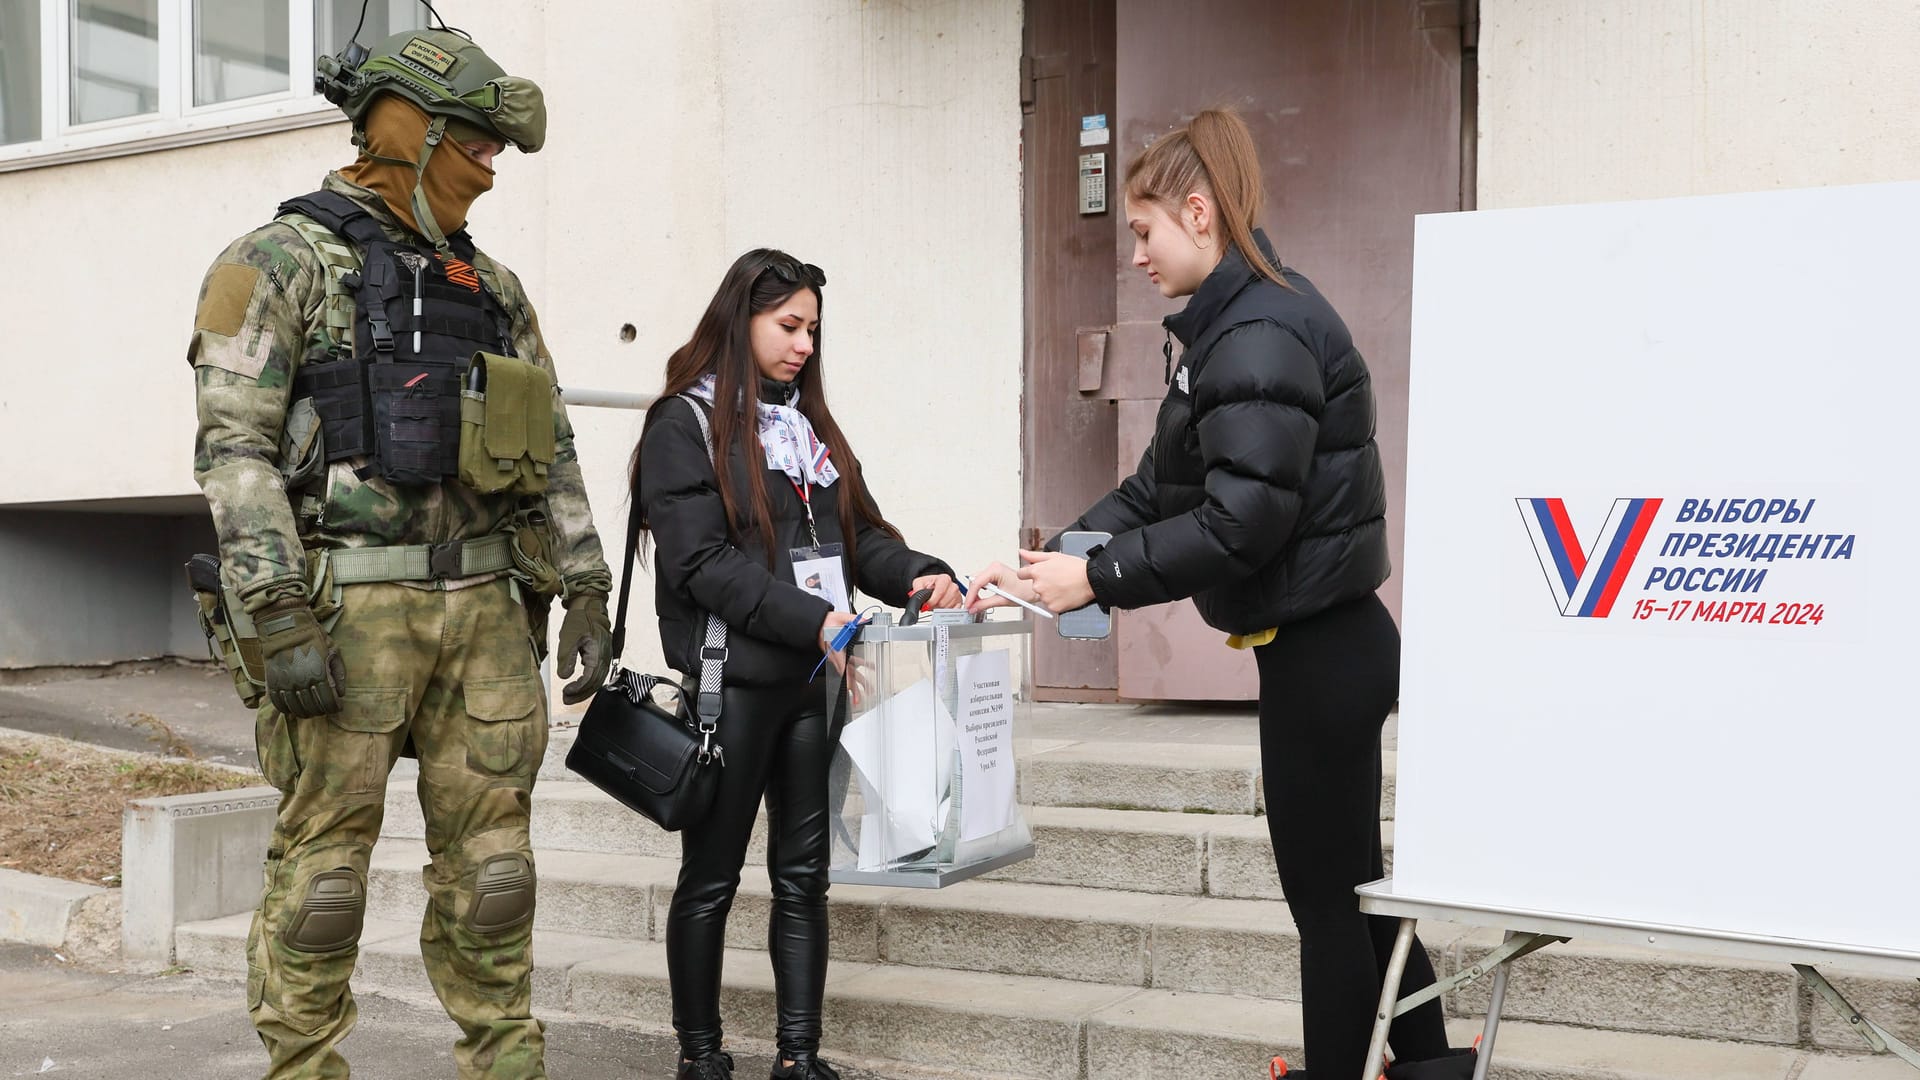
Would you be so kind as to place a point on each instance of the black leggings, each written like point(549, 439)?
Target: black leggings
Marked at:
point(1327, 683)
point(778, 742)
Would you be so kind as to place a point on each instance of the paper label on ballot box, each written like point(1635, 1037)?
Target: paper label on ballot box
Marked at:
point(986, 744)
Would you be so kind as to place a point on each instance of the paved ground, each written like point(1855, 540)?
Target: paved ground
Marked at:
point(196, 700)
point(62, 1022)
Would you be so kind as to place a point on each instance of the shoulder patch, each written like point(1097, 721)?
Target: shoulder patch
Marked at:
point(225, 297)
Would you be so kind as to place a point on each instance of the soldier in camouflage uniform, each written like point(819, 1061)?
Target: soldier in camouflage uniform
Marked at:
point(390, 617)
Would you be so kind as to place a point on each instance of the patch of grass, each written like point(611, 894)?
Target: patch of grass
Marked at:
point(163, 736)
point(61, 803)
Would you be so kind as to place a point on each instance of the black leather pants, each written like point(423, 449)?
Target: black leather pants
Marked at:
point(779, 742)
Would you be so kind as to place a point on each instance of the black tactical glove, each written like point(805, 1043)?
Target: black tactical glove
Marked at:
point(586, 634)
point(305, 676)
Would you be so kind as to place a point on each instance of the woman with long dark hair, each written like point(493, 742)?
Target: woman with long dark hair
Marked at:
point(1262, 498)
point(773, 541)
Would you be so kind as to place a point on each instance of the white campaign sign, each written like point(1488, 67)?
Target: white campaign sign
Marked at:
point(986, 744)
point(1657, 665)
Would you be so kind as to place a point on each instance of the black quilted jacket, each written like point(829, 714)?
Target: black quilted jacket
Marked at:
point(1261, 495)
point(774, 625)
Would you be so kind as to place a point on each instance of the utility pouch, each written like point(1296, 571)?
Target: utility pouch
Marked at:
point(416, 420)
point(530, 547)
point(338, 390)
point(239, 654)
point(506, 426)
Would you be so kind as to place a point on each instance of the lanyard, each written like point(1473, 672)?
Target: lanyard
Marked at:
point(804, 489)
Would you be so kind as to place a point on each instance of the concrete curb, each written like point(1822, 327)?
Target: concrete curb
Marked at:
point(36, 910)
point(185, 858)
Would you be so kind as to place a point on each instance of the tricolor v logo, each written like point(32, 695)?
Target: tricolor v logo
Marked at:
point(1585, 587)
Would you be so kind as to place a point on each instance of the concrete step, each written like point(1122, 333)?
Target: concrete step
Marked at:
point(1892, 1003)
point(1180, 777)
point(1140, 776)
point(1225, 855)
point(1211, 778)
point(1245, 947)
point(1621, 988)
point(1045, 1029)
point(568, 815)
point(1180, 943)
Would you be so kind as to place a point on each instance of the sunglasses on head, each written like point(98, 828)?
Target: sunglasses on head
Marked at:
point(793, 272)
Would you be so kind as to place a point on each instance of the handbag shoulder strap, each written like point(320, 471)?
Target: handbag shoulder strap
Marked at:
point(713, 650)
point(626, 579)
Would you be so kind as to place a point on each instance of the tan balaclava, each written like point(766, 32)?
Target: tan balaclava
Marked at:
point(396, 132)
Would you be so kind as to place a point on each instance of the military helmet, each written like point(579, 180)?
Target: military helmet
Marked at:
point(444, 73)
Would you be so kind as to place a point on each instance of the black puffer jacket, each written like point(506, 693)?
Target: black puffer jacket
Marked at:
point(1261, 495)
point(774, 625)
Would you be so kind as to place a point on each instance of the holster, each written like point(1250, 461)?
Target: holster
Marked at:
point(231, 638)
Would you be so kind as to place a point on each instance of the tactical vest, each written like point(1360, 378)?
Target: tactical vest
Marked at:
point(402, 326)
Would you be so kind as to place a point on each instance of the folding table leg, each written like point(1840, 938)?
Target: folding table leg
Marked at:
point(1389, 996)
point(1485, 1059)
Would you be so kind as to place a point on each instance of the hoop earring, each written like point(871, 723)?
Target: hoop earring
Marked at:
point(1208, 246)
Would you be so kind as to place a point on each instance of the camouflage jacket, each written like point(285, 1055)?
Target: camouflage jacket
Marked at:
point(260, 312)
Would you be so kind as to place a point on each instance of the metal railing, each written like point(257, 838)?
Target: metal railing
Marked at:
point(605, 399)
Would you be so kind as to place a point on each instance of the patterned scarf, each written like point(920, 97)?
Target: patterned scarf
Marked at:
point(788, 438)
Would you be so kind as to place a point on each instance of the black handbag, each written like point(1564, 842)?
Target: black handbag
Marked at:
point(659, 761)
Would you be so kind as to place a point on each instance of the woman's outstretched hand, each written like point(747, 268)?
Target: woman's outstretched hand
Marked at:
point(1004, 577)
point(1058, 580)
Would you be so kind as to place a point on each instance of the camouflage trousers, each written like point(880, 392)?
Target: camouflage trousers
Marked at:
point(453, 671)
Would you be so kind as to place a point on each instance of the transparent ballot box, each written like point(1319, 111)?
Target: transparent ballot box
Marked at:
point(924, 784)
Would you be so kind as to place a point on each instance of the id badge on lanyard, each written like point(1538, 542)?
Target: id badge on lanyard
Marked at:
point(820, 569)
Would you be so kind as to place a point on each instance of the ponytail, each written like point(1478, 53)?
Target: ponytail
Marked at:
point(1214, 154)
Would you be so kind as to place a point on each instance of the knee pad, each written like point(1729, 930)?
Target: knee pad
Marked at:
point(502, 894)
point(332, 914)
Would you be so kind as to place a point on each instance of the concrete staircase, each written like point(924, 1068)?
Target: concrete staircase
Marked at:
point(1148, 938)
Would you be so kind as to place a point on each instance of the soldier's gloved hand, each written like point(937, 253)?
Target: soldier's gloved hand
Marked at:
point(587, 635)
point(305, 676)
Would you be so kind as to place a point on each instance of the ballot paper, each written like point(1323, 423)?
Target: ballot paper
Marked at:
point(902, 751)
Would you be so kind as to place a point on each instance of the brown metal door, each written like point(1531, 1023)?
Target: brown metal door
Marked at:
point(1070, 435)
point(1356, 108)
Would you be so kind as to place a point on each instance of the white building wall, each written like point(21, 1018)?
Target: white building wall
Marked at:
point(1626, 99)
point(97, 400)
point(877, 139)
point(70, 595)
